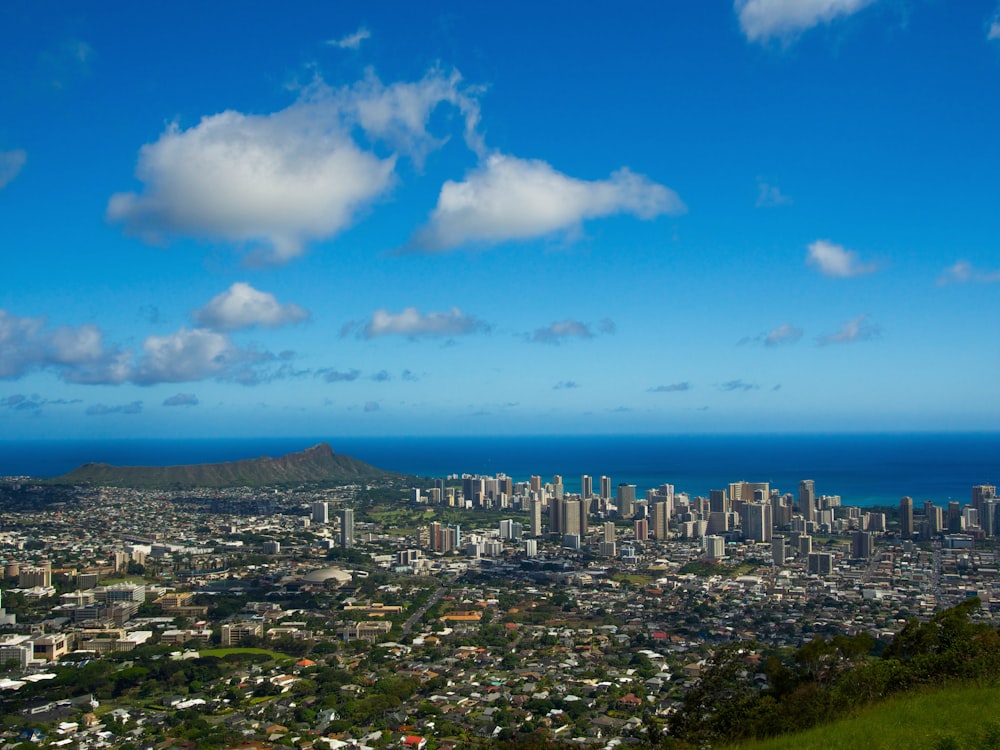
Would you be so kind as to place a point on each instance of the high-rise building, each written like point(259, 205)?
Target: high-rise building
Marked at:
point(906, 518)
point(347, 528)
point(586, 487)
point(608, 531)
point(718, 501)
point(641, 529)
point(605, 488)
point(626, 500)
point(536, 483)
point(321, 512)
point(573, 517)
point(715, 547)
point(535, 523)
point(862, 545)
point(757, 522)
point(982, 492)
point(807, 499)
point(820, 563)
point(778, 550)
point(661, 520)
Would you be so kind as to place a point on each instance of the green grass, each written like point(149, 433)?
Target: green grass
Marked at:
point(224, 652)
point(959, 718)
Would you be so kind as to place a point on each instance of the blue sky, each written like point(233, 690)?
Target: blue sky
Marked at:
point(240, 218)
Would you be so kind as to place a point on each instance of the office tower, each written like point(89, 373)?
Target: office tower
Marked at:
point(439, 486)
point(556, 521)
point(954, 517)
point(757, 522)
point(807, 499)
point(821, 563)
point(586, 487)
point(572, 517)
point(641, 529)
point(862, 545)
point(347, 528)
point(988, 516)
point(609, 531)
point(778, 551)
point(626, 500)
point(906, 518)
point(415, 496)
point(321, 513)
point(982, 492)
point(718, 501)
point(605, 488)
point(970, 518)
point(718, 523)
point(935, 518)
point(558, 490)
point(535, 524)
point(805, 545)
point(715, 547)
point(536, 483)
point(661, 520)
point(530, 548)
point(745, 491)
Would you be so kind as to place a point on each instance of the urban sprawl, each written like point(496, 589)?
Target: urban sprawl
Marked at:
point(455, 613)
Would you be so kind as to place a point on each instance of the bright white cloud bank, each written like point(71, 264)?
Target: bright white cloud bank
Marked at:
point(278, 181)
point(837, 261)
point(242, 306)
point(411, 322)
point(507, 198)
point(761, 20)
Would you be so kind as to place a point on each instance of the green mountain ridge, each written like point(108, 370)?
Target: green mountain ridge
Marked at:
point(316, 464)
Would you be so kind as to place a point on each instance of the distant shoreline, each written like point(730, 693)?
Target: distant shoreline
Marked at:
point(864, 469)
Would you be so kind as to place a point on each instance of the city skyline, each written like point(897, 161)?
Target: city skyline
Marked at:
point(393, 220)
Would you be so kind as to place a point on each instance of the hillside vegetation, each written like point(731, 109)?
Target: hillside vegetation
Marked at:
point(827, 680)
point(955, 718)
point(316, 464)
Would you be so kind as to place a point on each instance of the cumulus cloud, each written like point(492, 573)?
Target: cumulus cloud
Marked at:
point(564, 385)
point(671, 388)
point(783, 334)
point(351, 41)
point(860, 328)
point(382, 376)
point(964, 272)
point(411, 322)
point(562, 330)
point(770, 196)
point(10, 165)
point(371, 406)
point(80, 355)
point(993, 32)
point(135, 407)
point(277, 181)
point(181, 399)
point(761, 20)
point(836, 261)
point(507, 198)
point(738, 385)
point(242, 306)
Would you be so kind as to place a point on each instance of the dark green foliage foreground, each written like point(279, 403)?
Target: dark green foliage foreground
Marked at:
point(826, 680)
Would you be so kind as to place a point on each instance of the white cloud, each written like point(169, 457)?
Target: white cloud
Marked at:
point(411, 322)
point(738, 385)
point(783, 334)
point(507, 198)
point(566, 385)
point(837, 261)
point(10, 165)
point(559, 331)
point(770, 196)
point(761, 20)
point(242, 306)
point(279, 181)
point(860, 328)
point(964, 272)
point(993, 33)
point(351, 41)
point(182, 356)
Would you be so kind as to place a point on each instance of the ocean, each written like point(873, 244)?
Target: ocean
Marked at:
point(864, 469)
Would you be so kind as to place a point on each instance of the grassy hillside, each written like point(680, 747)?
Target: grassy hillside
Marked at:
point(954, 718)
point(316, 464)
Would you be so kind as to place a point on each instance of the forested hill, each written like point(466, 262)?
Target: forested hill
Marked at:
point(316, 464)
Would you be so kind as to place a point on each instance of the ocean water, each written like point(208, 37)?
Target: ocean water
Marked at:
point(867, 469)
